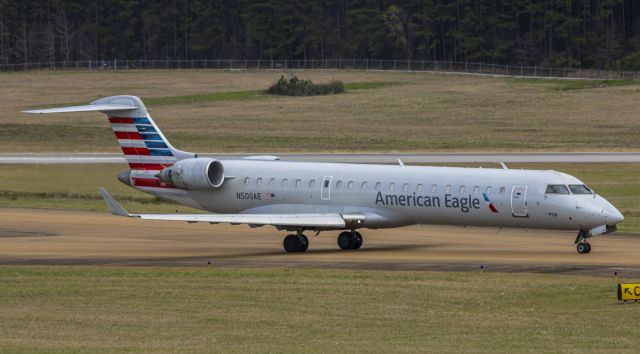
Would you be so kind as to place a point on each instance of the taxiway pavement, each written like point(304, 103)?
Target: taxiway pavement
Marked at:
point(51, 237)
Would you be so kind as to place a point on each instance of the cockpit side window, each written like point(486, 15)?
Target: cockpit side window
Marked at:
point(557, 189)
point(580, 189)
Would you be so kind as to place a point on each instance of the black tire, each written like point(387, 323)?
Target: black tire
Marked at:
point(588, 248)
point(582, 248)
point(358, 240)
point(345, 240)
point(304, 243)
point(291, 243)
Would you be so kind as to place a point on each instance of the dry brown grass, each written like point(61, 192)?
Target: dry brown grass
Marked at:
point(428, 113)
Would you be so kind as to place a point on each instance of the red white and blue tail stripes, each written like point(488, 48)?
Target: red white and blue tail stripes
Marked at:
point(145, 149)
point(143, 145)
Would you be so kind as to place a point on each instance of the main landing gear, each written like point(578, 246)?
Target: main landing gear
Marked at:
point(582, 246)
point(350, 240)
point(347, 240)
point(296, 243)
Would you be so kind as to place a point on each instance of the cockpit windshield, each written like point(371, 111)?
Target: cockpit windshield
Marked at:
point(579, 189)
point(571, 189)
point(557, 189)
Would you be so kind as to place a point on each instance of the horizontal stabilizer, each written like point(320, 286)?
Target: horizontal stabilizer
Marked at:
point(86, 108)
point(329, 220)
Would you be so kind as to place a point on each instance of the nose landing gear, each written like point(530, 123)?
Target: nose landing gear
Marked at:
point(582, 246)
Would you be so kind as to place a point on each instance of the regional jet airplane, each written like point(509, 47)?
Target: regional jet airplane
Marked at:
point(298, 196)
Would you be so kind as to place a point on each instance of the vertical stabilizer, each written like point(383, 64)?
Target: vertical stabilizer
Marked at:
point(143, 144)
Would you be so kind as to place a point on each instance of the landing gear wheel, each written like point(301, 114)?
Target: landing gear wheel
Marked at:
point(304, 243)
point(295, 243)
point(583, 247)
point(345, 240)
point(358, 238)
point(350, 240)
point(581, 242)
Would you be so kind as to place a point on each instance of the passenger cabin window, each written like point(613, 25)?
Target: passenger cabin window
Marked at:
point(284, 182)
point(434, 188)
point(272, 182)
point(338, 184)
point(447, 189)
point(378, 186)
point(461, 189)
point(247, 180)
point(579, 189)
point(350, 185)
point(298, 183)
point(312, 183)
point(392, 186)
point(557, 189)
point(488, 191)
point(405, 187)
point(476, 189)
point(364, 186)
point(326, 183)
point(419, 188)
point(259, 182)
point(503, 190)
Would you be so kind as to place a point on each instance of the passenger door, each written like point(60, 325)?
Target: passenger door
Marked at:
point(519, 200)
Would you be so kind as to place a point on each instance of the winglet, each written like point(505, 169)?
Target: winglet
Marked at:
point(116, 208)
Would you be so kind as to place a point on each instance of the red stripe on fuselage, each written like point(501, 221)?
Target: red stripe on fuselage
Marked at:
point(135, 151)
point(493, 209)
point(148, 166)
point(119, 120)
point(151, 182)
point(128, 135)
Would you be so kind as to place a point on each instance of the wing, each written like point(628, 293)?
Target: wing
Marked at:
point(329, 220)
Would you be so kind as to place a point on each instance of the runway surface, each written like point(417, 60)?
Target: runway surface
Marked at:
point(564, 157)
point(48, 237)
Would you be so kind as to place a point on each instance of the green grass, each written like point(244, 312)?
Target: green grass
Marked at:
point(208, 97)
point(105, 309)
point(371, 85)
point(568, 85)
point(75, 187)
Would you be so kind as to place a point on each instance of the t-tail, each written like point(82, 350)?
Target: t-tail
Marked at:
point(146, 149)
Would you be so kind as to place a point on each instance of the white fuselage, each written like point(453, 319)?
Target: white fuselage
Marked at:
point(394, 195)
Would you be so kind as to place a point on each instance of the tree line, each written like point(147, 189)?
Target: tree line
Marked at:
point(600, 34)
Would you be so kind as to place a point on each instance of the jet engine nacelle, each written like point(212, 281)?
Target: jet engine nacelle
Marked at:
point(196, 173)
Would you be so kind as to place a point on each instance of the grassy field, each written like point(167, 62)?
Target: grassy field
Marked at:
point(76, 187)
point(222, 111)
point(108, 309)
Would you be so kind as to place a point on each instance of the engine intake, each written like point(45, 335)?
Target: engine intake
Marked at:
point(196, 173)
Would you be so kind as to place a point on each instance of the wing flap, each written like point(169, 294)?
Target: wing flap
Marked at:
point(328, 220)
point(317, 220)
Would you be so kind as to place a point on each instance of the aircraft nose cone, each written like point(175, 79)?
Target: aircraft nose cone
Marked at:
point(612, 216)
